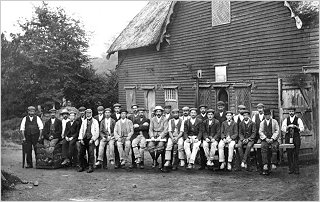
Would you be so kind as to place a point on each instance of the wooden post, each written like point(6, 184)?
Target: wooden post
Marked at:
point(280, 116)
point(197, 92)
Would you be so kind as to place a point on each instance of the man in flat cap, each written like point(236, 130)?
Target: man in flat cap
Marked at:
point(70, 138)
point(185, 113)
point(167, 112)
point(123, 131)
point(31, 130)
point(192, 137)
point(106, 139)
point(82, 117)
point(292, 127)
point(134, 108)
point(158, 130)
point(203, 116)
point(89, 133)
point(211, 135)
point(257, 119)
point(220, 115)
point(175, 142)
point(229, 135)
point(65, 119)
point(246, 137)
point(269, 134)
point(52, 134)
point(99, 117)
point(116, 115)
point(141, 133)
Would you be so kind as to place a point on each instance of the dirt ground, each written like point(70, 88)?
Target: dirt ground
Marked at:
point(67, 184)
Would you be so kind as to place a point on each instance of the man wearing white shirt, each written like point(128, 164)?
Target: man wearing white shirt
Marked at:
point(269, 134)
point(107, 138)
point(185, 113)
point(293, 126)
point(99, 118)
point(31, 129)
point(64, 121)
point(175, 141)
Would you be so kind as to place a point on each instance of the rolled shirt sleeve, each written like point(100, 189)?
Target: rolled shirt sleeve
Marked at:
point(284, 126)
point(301, 126)
point(23, 124)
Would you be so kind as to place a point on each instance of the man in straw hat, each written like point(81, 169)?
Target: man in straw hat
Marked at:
point(89, 133)
point(269, 134)
point(141, 133)
point(157, 130)
point(31, 129)
point(52, 134)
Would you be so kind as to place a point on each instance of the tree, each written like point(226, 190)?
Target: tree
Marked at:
point(47, 62)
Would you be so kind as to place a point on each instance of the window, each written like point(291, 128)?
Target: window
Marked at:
point(170, 95)
point(220, 12)
point(220, 73)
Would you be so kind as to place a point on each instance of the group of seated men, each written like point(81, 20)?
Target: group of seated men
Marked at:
point(177, 139)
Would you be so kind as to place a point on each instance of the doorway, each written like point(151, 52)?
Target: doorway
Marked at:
point(222, 95)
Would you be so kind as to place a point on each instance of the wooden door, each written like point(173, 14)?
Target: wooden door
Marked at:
point(205, 97)
point(150, 101)
point(130, 97)
point(298, 91)
point(243, 97)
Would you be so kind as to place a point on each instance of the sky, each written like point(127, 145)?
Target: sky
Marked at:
point(104, 19)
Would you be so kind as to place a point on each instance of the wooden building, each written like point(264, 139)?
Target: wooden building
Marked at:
point(192, 53)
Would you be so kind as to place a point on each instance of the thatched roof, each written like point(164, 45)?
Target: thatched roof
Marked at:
point(147, 28)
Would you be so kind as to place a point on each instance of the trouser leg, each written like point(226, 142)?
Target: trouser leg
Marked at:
point(120, 150)
point(203, 158)
point(221, 151)
point(142, 147)
point(82, 153)
point(28, 150)
point(127, 149)
point(135, 149)
point(274, 150)
point(264, 152)
point(240, 150)
point(181, 155)
point(206, 148)
point(102, 145)
point(195, 149)
point(175, 154)
point(231, 149)
point(65, 148)
point(213, 149)
point(169, 149)
point(72, 147)
point(116, 154)
point(90, 148)
point(247, 152)
point(111, 150)
point(187, 150)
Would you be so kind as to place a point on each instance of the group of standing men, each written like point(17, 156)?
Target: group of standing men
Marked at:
point(177, 139)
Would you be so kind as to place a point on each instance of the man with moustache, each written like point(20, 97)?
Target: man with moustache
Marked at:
point(106, 139)
point(52, 134)
point(158, 130)
point(293, 126)
point(141, 133)
point(203, 116)
point(31, 129)
point(220, 115)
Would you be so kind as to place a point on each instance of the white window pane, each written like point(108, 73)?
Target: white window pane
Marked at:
point(220, 12)
point(221, 73)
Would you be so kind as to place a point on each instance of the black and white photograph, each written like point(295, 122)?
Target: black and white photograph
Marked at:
point(159, 100)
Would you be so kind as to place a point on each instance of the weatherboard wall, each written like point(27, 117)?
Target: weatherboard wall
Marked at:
point(260, 42)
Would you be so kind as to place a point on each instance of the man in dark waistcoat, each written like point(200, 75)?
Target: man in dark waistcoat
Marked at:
point(52, 134)
point(31, 130)
point(269, 134)
point(203, 116)
point(220, 115)
point(293, 126)
point(99, 117)
point(258, 118)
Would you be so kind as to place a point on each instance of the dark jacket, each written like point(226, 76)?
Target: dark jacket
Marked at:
point(72, 130)
point(103, 130)
point(79, 120)
point(191, 130)
point(142, 128)
point(199, 116)
point(97, 118)
point(57, 129)
point(247, 131)
point(211, 131)
point(222, 118)
point(132, 117)
point(231, 130)
point(115, 117)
